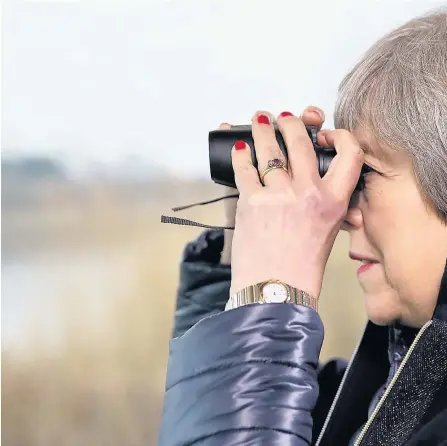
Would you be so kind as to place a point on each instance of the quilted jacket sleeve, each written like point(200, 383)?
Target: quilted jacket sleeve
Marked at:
point(246, 376)
point(204, 286)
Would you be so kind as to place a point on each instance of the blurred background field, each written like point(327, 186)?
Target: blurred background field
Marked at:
point(89, 278)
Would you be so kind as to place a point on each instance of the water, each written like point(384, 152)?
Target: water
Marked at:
point(39, 290)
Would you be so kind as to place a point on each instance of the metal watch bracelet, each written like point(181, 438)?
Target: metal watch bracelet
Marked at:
point(271, 291)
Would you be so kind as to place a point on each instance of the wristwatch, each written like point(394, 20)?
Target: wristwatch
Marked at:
point(272, 291)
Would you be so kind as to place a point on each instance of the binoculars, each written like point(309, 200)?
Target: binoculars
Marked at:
point(222, 141)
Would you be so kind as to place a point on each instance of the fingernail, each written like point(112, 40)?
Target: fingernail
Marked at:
point(239, 145)
point(315, 110)
point(263, 119)
point(284, 114)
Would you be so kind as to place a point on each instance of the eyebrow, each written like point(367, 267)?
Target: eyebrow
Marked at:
point(368, 150)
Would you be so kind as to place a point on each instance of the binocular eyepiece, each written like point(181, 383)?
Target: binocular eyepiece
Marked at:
point(222, 141)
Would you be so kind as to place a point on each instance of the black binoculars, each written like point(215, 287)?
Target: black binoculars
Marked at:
point(222, 141)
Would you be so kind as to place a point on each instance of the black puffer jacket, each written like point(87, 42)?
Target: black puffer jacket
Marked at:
point(250, 376)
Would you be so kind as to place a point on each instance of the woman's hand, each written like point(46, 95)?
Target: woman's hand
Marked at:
point(230, 215)
point(310, 116)
point(286, 230)
point(230, 218)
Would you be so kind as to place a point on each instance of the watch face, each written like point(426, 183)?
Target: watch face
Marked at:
point(273, 292)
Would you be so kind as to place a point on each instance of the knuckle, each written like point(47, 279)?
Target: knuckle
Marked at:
point(336, 207)
point(325, 206)
point(341, 136)
point(244, 169)
point(359, 152)
point(313, 199)
point(339, 207)
point(300, 139)
point(355, 152)
point(273, 149)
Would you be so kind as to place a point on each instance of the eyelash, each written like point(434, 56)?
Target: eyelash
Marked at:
point(367, 170)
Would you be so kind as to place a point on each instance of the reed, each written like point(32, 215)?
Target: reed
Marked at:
point(104, 384)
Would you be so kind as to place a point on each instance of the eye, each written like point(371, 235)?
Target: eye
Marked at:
point(365, 178)
point(367, 171)
point(361, 192)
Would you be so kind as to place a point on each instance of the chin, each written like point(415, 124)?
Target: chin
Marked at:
point(382, 309)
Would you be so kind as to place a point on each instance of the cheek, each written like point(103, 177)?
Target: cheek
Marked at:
point(407, 242)
point(387, 231)
point(381, 228)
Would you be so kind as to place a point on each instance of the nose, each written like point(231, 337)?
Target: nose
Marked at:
point(353, 219)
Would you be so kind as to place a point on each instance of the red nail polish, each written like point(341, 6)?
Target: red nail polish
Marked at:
point(239, 145)
point(285, 114)
point(263, 119)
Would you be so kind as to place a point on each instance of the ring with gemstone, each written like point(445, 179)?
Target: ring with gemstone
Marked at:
point(274, 163)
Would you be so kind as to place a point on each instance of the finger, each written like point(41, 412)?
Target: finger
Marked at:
point(313, 116)
point(321, 139)
point(344, 170)
point(267, 148)
point(245, 174)
point(229, 191)
point(301, 153)
point(224, 126)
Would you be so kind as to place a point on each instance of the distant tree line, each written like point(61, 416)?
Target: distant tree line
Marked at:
point(20, 176)
point(36, 168)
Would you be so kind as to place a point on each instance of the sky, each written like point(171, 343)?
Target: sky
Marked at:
point(105, 82)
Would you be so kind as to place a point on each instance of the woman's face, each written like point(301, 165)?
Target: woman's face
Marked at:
point(390, 224)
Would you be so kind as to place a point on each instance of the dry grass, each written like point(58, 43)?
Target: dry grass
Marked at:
point(105, 386)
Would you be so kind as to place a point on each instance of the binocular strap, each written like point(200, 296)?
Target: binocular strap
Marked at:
point(186, 222)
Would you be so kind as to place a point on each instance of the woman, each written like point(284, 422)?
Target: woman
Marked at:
point(250, 375)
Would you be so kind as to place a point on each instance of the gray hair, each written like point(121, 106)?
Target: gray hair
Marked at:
point(398, 91)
